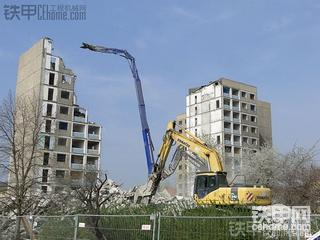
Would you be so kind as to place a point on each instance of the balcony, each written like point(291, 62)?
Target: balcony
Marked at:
point(236, 131)
point(79, 115)
point(226, 106)
point(78, 146)
point(76, 166)
point(76, 162)
point(235, 93)
point(237, 144)
point(92, 163)
point(78, 134)
point(235, 105)
point(93, 151)
point(227, 118)
point(236, 120)
point(79, 119)
point(93, 147)
point(226, 91)
point(94, 132)
point(78, 130)
point(227, 130)
point(91, 167)
point(94, 136)
point(235, 96)
point(227, 142)
point(78, 150)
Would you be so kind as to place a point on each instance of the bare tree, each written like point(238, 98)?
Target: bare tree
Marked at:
point(293, 177)
point(93, 195)
point(20, 127)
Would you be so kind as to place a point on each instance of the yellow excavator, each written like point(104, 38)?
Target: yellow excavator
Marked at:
point(211, 186)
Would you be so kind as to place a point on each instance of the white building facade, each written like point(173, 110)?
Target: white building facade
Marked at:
point(226, 111)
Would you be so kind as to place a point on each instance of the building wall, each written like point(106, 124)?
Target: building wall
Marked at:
point(72, 144)
point(183, 178)
point(265, 127)
point(30, 70)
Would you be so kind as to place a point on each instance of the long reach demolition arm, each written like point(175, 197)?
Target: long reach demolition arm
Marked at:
point(148, 145)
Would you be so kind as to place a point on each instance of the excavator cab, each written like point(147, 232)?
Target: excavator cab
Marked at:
point(206, 182)
point(213, 188)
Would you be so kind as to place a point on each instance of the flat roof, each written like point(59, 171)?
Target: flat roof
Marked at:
point(220, 80)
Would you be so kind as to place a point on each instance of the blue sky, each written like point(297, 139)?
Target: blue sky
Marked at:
point(271, 44)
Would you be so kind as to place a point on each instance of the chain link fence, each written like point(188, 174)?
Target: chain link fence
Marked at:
point(144, 227)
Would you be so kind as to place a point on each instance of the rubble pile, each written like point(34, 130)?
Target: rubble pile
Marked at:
point(166, 202)
point(118, 196)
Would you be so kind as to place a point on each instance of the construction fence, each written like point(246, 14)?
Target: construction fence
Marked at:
point(149, 227)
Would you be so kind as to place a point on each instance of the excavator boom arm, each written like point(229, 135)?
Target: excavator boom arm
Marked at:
point(192, 144)
point(186, 140)
point(148, 145)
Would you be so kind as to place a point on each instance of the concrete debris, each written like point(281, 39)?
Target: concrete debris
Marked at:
point(125, 198)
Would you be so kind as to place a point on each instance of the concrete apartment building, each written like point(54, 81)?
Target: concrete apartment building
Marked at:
point(71, 144)
point(232, 115)
point(183, 178)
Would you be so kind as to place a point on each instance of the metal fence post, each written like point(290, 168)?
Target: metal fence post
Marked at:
point(298, 228)
point(159, 218)
point(153, 217)
point(289, 228)
point(76, 224)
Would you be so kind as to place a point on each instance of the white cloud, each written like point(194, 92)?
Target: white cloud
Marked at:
point(182, 12)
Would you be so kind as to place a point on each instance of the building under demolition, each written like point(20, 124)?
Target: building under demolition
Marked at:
point(230, 113)
point(71, 145)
